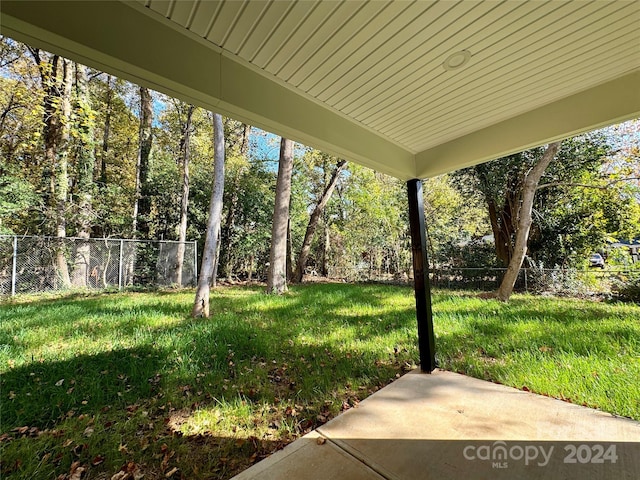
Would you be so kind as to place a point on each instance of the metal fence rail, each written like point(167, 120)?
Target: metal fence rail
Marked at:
point(31, 264)
point(533, 280)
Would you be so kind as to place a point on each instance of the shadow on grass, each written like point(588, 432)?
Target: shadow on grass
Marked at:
point(197, 457)
point(264, 355)
point(321, 347)
point(254, 347)
point(42, 394)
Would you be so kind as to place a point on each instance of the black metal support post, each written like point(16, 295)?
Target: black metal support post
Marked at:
point(426, 339)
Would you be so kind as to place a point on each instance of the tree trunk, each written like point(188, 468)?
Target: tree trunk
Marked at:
point(277, 273)
point(244, 145)
point(201, 303)
point(62, 174)
point(185, 149)
point(216, 263)
point(313, 222)
point(524, 220)
point(142, 204)
point(250, 274)
point(324, 271)
point(106, 133)
point(85, 162)
point(228, 230)
point(56, 79)
point(290, 259)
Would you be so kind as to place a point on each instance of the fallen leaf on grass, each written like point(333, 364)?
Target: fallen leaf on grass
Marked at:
point(76, 471)
point(97, 460)
point(77, 450)
point(171, 472)
point(129, 471)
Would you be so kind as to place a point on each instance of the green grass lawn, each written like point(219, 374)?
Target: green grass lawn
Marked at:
point(99, 383)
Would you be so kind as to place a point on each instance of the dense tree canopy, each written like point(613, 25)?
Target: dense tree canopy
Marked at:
point(71, 140)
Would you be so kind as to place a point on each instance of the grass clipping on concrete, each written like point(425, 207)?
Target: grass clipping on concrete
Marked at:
point(121, 386)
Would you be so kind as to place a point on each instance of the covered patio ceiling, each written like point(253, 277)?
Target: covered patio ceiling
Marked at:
point(412, 89)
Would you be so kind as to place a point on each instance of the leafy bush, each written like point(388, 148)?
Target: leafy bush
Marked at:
point(628, 288)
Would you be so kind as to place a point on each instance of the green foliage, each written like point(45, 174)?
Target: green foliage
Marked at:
point(580, 205)
point(369, 225)
point(312, 172)
point(455, 225)
point(628, 286)
point(16, 197)
point(364, 229)
point(254, 187)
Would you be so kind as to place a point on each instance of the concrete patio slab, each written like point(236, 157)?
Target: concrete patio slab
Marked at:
point(448, 426)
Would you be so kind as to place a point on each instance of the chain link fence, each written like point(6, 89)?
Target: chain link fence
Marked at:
point(38, 264)
point(556, 281)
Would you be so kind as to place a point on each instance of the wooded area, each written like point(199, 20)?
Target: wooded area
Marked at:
point(86, 154)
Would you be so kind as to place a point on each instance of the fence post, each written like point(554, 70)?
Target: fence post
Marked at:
point(120, 265)
point(14, 266)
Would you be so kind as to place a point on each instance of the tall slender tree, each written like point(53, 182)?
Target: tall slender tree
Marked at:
point(524, 220)
point(318, 210)
point(142, 205)
point(108, 106)
point(277, 273)
point(207, 267)
point(185, 153)
point(233, 194)
point(84, 163)
point(56, 77)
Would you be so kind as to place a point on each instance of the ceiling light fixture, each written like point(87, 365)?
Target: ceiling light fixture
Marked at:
point(457, 60)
